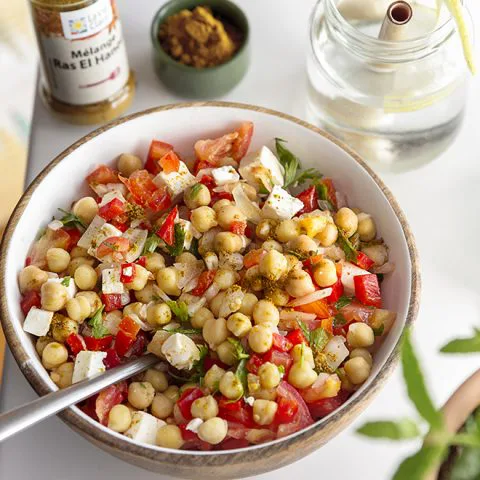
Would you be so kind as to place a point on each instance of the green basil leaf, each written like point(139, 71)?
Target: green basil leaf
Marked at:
point(289, 162)
point(151, 244)
point(66, 281)
point(310, 174)
point(463, 345)
point(96, 322)
point(179, 242)
point(240, 352)
point(416, 388)
point(402, 430)
point(343, 301)
point(179, 309)
point(71, 220)
point(345, 244)
point(421, 463)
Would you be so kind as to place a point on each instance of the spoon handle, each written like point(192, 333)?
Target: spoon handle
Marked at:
point(31, 413)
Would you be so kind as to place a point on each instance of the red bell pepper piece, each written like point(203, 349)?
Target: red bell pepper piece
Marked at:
point(364, 261)
point(74, 236)
point(102, 175)
point(254, 363)
point(127, 272)
point(238, 227)
point(337, 291)
point(98, 344)
point(167, 231)
point(309, 197)
point(170, 162)
point(29, 300)
point(112, 301)
point(129, 326)
point(157, 150)
point(123, 342)
point(281, 343)
point(208, 181)
point(278, 358)
point(112, 359)
point(185, 401)
point(367, 290)
point(76, 343)
point(204, 281)
point(112, 209)
point(296, 337)
point(142, 261)
point(216, 196)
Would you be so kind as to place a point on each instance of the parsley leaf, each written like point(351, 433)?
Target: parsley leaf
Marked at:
point(343, 301)
point(242, 374)
point(297, 253)
point(179, 309)
point(464, 345)
point(239, 352)
point(322, 191)
point(195, 190)
point(151, 244)
point(96, 322)
point(289, 162)
point(304, 329)
point(194, 249)
point(66, 281)
point(346, 246)
point(318, 339)
point(71, 220)
point(186, 331)
point(309, 174)
point(179, 242)
point(402, 430)
point(339, 320)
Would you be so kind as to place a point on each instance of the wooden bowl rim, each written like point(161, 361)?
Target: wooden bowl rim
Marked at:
point(99, 434)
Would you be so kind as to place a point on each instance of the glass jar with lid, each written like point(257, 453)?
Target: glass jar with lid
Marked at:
point(398, 104)
point(86, 77)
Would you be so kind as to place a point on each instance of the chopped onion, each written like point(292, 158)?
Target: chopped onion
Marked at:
point(311, 297)
point(191, 285)
point(193, 302)
point(341, 199)
point(385, 268)
point(294, 316)
point(188, 271)
point(335, 352)
point(334, 252)
point(233, 261)
point(250, 209)
point(320, 381)
point(232, 302)
point(211, 291)
point(160, 293)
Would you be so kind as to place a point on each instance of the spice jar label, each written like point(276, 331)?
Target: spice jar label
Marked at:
point(84, 55)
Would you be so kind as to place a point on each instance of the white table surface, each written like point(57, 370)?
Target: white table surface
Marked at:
point(440, 200)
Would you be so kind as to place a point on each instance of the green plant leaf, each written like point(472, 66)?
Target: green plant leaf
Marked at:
point(318, 339)
point(96, 322)
point(151, 244)
point(309, 174)
point(240, 352)
point(345, 244)
point(343, 301)
point(194, 249)
point(466, 440)
point(179, 309)
point(71, 220)
point(179, 242)
point(289, 162)
point(467, 464)
point(66, 281)
point(463, 345)
point(414, 380)
point(186, 331)
point(420, 464)
point(305, 330)
point(242, 373)
point(402, 430)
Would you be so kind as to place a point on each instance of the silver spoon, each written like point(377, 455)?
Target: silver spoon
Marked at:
point(31, 413)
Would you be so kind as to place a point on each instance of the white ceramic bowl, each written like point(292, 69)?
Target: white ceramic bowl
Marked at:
point(62, 181)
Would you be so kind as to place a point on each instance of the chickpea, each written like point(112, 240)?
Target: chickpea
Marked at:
point(303, 243)
point(172, 393)
point(254, 278)
point(169, 436)
point(215, 332)
point(62, 327)
point(86, 208)
point(265, 229)
point(119, 418)
point(239, 324)
point(216, 303)
point(140, 279)
point(346, 384)
point(367, 229)
point(266, 312)
point(378, 253)
point(230, 386)
point(226, 353)
point(203, 219)
point(265, 394)
point(31, 278)
point(156, 344)
point(228, 242)
point(360, 335)
point(162, 406)
point(53, 296)
point(272, 245)
point(212, 378)
point(287, 230)
point(41, 343)
point(154, 262)
point(186, 257)
point(362, 352)
point(76, 262)
point(78, 309)
point(300, 349)
point(269, 375)
point(273, 265)
point(54, 355)
point(248, 302)
point(293, 262)
point(77, 252)
point(140, 394)
point(299, 283)
point(197, 196)
point(159, 314)
point(93, 300)
point(221, 203)
point(167, 280)
point(279, 297)
point(85, 277)
point(301, 375)
point(260, 338)
point(157, 378)
point(204, 408)
point(62, 375)
point(200, 317)
point(264, 411)
point(147, 294)
point(357, 370)
point(128, 163)
point(325, 273)
point(228, 214)
point(213, 431)
point(347, 220)
point(225, 278)
point(57, 259)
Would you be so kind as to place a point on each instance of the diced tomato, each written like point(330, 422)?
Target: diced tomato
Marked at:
point(364, 261)
point(356, 312)
point(325, 406)
point(281, 343)
point(230, 406)
point(238, 227)
point(204, 281)
point(142, 261)
point(286, 410)
point(140, 184)
point(127, 272)
point(167, 231)
point(185, 401)
point(367, 290)
point(208, 181)
point(160, 200)
point(212, 151)
point(28, 261)
point(309, 197)
point(29, 300)
point(98, 344)
point(138, 346)
point(157, 150)
point(254, 363)
point(191, 439)
point(76, 343)
point(112, 359)
point(108, 398)
point(170, 162)
point(50, 239)
point(216, 196)
point(120, 225)
point(319, 308)
point(112, 301)
point(115, 247)
point(331, 194)
point(123, 342)
point(130, 326)
point(242, 142)
point(102, 175)
point(253, 257)
point(237, 411)
point(337, 292)
point(74, 236)
point(278, 358)
point(327, 325)
point(112, 209)
point(296, 337)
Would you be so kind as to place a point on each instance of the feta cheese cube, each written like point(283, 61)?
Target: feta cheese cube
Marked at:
point(109, 196)
point(68, 283)
point(88, 365)
point(38, 322)
point(137, 238)
point(262, 164)
point(111, 281)
point(280, 205)
point(180, 351)
point(349, 270)
point(176, 182)
point(144, 428)
point(224, 175)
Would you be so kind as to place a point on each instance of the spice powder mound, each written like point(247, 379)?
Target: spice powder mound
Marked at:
point(197, 38)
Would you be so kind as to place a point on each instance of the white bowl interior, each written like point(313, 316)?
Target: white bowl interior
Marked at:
point(182, 127)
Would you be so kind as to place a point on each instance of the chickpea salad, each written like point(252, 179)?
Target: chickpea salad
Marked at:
point(251, 279)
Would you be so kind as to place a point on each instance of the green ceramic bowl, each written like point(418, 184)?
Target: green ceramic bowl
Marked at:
point(194, 82)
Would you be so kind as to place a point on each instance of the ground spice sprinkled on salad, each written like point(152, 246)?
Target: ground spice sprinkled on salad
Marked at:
point(257, 290)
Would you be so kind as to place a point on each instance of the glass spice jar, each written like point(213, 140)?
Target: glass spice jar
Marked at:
point(398, 104)
point(86, 78)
